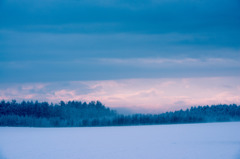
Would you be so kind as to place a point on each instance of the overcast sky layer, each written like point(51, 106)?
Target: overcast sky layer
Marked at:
point(71, 46)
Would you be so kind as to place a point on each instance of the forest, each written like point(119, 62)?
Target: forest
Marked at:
point(82, 114)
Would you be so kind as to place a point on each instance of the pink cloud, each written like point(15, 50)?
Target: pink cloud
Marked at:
point(162, 94)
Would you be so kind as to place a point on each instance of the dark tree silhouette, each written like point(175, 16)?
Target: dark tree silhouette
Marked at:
point(76, 113)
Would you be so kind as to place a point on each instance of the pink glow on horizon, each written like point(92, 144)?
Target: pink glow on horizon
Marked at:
point(162, 94)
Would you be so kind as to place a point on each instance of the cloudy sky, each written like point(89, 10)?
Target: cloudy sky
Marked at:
point(143, 55)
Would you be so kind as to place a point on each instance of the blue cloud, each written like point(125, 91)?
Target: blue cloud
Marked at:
point(39, 41)
point(136, 17)
point(105, 69)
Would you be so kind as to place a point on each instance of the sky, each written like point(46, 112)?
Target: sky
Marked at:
point(142, 56)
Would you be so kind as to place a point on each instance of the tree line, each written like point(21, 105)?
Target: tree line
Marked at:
point(80, 114)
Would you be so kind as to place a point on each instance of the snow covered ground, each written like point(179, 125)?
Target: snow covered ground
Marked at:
point(183, 141)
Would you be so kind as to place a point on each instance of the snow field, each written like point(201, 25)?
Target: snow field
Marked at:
point(182, 141)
